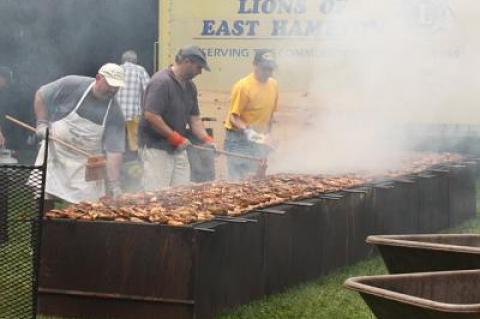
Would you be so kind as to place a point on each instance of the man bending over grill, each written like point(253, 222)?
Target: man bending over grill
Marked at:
point(170, 103)
point(252, 104)
point(82, 112)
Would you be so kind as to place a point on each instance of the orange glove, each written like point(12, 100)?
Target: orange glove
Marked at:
point(177, 140)
point(208, 139)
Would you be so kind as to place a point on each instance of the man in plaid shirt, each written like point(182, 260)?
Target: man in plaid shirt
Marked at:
point(130, 96)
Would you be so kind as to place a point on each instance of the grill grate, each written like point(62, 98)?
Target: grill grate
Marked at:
point(21, 205)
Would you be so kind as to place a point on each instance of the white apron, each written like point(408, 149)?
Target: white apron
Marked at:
point(66, 168)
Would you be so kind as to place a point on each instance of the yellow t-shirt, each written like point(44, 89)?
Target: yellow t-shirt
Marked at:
point(254, 102)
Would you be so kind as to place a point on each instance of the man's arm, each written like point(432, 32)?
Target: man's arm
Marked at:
point(40, 108)
point(237, 122)
point(238, 103)
point(41, 114)
point(198, 129)
point(157, 122)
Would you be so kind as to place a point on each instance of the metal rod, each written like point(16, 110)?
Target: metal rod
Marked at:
point(114, 296)
point(404, 180)
point(207, 230)
point(306, 204)
point(354, 191)
point(330, 197)
point(234, 219)
point(425, 176)
point(270, 211)
point(384, 186)
point(440, 170)
point(222, 152)
point(67, 145)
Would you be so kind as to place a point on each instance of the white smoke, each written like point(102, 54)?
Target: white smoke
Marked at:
point(415, 67)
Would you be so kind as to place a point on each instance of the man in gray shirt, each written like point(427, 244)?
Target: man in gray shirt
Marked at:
point(170, 104)
point(83, 112)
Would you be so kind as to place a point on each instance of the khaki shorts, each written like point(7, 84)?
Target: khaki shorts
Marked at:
point(162, 169)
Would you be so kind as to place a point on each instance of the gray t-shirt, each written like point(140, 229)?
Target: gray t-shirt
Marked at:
point(167, 98)
point(61, 97)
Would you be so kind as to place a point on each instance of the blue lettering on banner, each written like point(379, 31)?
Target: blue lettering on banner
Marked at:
point(223, 28)
point(272, 6)
point(227, 52)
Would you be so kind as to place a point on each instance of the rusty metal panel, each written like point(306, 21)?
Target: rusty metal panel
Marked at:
point(104, 263)
point(462, 203)
point(278, 247)
point(229, 266)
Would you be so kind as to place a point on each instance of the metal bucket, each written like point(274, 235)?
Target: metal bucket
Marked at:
point(418, 253)
point(439, 295)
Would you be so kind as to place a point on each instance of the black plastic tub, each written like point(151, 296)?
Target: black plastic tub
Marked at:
point(439, 295)
point(423, 253)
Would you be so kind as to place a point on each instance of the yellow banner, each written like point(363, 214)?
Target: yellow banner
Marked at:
point(352, 54)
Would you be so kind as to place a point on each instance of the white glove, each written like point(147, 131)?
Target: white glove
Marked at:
point(253, 136)
point(41, 129)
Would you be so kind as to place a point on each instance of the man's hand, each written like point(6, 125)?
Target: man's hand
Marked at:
point(209, 142)
point(253, 136)
point(113, 189)
point(41, 129)
point(178, 141)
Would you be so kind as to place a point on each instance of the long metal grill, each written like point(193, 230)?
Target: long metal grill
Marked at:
point(21, 206)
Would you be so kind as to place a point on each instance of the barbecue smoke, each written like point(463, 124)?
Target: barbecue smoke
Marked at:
point(395, 77)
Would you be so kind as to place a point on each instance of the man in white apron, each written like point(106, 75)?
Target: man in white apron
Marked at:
point(83, 112)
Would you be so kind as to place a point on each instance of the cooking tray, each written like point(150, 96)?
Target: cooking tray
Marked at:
point(419, 253)
point(439, 295)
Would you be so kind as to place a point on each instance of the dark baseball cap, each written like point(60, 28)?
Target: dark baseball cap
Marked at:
point(265, 58)
point(196, 54)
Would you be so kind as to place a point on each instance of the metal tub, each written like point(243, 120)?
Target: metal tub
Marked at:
point(127, 270)
point(419, 253)
point(439, 295)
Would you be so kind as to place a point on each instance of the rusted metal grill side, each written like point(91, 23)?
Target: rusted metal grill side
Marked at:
point(229, 266)
point(97, 269)
point(20, 223)
point(462, 197)
point(278, 249)
point(100, 269)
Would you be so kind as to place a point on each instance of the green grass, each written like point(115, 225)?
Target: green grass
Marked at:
point(322, 299)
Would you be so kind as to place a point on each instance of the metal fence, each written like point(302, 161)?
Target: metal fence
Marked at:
point(21, 208)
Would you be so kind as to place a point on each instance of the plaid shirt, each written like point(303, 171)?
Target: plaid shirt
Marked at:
point(130, 96)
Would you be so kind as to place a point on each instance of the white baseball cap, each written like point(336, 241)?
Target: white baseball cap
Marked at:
point(113, 74)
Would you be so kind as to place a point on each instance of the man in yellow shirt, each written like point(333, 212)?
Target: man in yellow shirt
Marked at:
point(253, 102)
